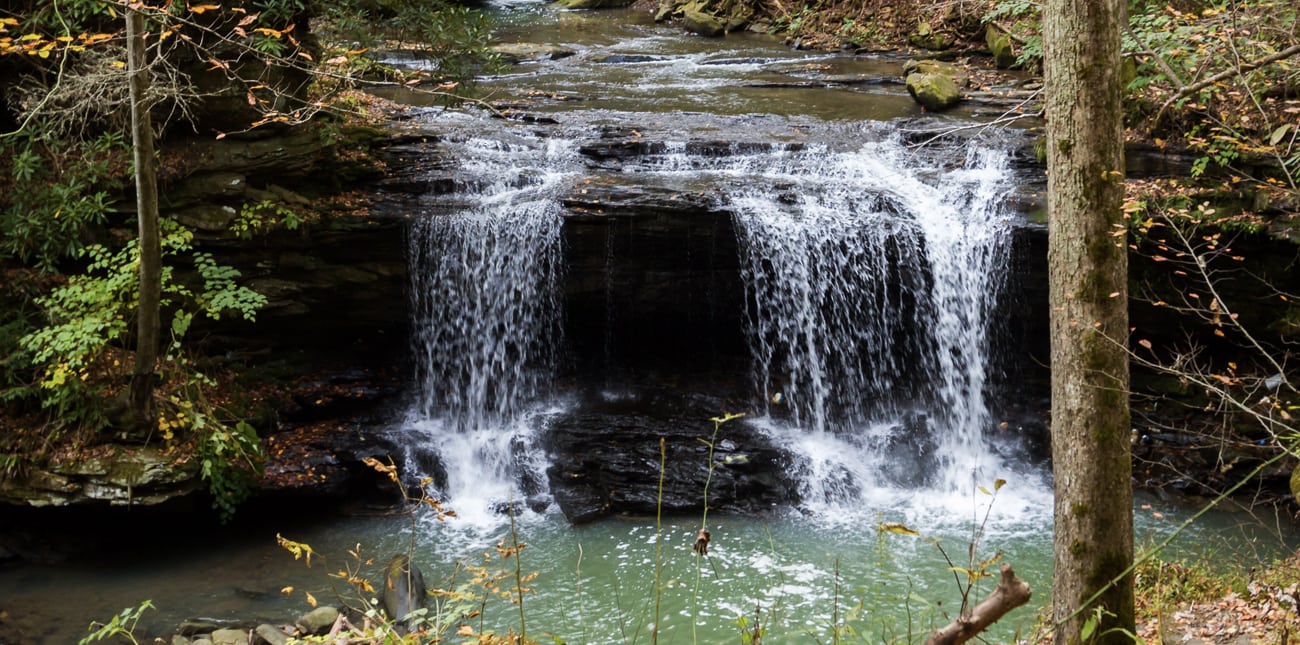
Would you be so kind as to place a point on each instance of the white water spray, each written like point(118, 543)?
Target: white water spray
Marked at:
point(485, 289)
point(872, 274)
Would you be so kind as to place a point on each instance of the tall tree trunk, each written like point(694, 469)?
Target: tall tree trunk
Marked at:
point(1088, 275)
point(146, 189)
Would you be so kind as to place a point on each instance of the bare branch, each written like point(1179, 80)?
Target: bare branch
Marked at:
point(1010, 593)
point(1229, 73)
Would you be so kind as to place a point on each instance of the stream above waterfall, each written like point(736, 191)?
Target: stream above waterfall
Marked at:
point(656, 231)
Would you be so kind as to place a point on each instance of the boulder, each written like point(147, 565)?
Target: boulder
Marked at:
point(404, 591)
point(698, 22)
point(230, 637)
point(1001, 47)
point(318, 621)
point(521, 52)
point(606, 460)
point(934, 91)
point(270, 635)
point(931, 66)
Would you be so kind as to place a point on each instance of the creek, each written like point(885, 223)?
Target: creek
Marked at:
point(665, 229)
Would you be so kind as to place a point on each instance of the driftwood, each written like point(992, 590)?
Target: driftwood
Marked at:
point(1010, 593)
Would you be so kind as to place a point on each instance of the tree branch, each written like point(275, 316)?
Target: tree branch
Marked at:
point(1010, 593)
point(1160, 60)
point(1228, 73)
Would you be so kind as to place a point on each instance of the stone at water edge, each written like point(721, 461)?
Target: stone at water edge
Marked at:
point(404, 590)
point(958, 75)
point(230, 637)
point(934, 91)
point(318, 621)
point(702, 23)
point(271, 634)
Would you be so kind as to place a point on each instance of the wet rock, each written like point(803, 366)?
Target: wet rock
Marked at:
point(931, 66)
point(606, 459)
point(704, 24)
point(625, 59)
point(270, 635)
point(404, 591)
point(318, 621)
point(230, 637)
point(520, 52)
point(934, 91)
point(591, 4)
point(196, 626)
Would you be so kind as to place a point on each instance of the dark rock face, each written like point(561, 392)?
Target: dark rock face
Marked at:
point(653, 282)
point(606, 459)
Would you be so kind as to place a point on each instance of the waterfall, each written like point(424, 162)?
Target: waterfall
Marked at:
point(485, 285)
point(871, 274)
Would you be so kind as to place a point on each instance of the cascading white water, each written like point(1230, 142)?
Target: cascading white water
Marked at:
point(871, 275)
point(871, 284)
point(485, 285)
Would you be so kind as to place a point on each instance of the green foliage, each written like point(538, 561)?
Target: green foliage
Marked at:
point(263, 217)
point(91, 315)
point(121, 625)
point(229, 457)
point(1024, 17)
point(56, 191)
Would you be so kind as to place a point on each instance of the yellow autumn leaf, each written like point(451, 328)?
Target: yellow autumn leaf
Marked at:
point(899, 528)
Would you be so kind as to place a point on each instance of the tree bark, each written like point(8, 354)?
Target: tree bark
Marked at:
point(1088, 277)
point(146, 189)
point(1010, 593)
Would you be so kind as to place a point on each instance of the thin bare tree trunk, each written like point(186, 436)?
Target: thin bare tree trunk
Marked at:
point(1088, 277)
point(146, 188)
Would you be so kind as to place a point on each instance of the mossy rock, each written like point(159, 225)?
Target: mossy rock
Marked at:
point(701, 23)
point(935, 92)
point(931, 66)
point(1001, 46)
